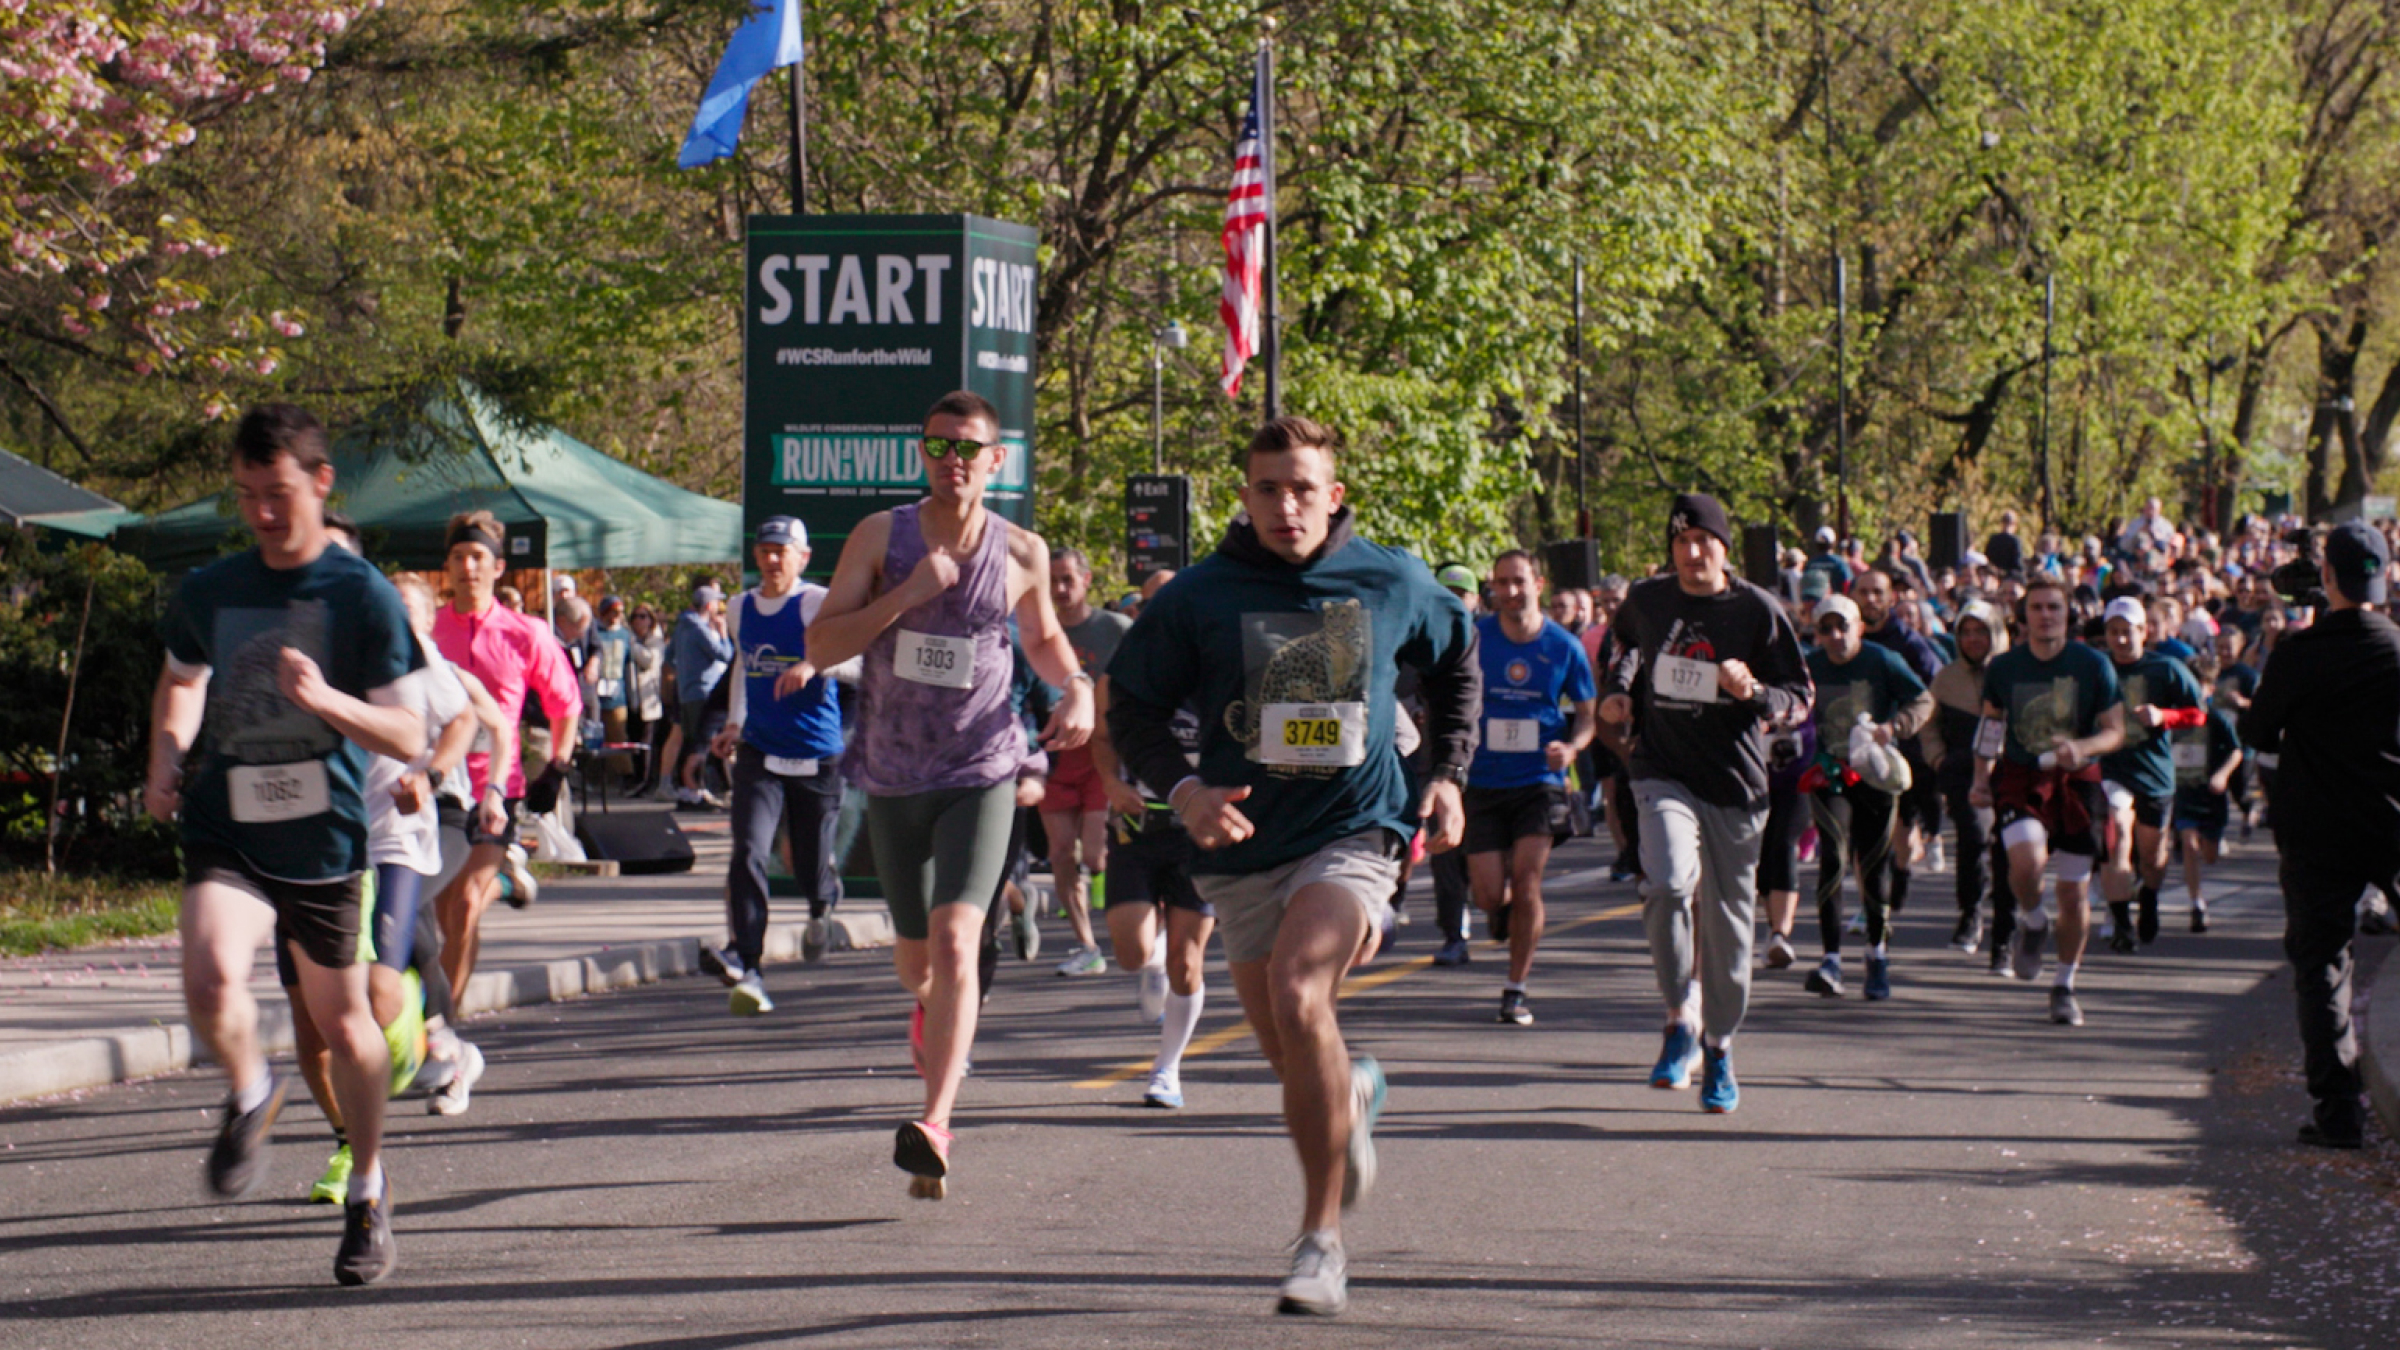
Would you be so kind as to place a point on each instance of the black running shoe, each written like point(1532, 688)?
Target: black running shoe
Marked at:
point(2199, 917)
point(238, 1161)
point(2122, 943)
point(1513, 1010)
point(724, 963)
point(2317, 1136)
point(367, 1253)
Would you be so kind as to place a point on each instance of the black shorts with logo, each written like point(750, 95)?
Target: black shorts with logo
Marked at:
point(1498, 817)
point(1153, 866)
point(322, 917)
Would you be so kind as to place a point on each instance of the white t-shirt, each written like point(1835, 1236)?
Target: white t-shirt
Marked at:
point(413, 839)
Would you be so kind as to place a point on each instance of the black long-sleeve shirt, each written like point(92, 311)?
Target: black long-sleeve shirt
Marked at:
point(1668, 644)
point(2329, 706)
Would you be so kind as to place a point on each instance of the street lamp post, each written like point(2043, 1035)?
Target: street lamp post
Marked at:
point(1160, 339)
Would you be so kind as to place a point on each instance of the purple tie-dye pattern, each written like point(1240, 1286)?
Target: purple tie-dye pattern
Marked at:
point(912, 737)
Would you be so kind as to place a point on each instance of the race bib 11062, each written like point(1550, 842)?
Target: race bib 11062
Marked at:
point(264, 794)
point(1511, 735)
point(1681, 679)
point(928, 658)
point(1323, 735)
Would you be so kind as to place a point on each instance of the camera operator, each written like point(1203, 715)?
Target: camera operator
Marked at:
point(2329, 705)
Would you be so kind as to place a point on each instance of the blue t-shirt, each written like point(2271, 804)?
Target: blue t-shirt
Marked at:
point(1522, 685)
point(2044, 700)
point(274, 784)
point(2145, 764)
point(1876, 682)
point(2198, 752)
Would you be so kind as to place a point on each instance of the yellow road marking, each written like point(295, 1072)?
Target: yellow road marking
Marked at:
point(1356, 984)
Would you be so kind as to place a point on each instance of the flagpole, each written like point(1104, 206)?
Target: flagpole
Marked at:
point(799, 89)
point(1270, 329)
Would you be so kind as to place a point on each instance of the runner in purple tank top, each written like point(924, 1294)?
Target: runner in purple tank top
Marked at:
point(924, 593)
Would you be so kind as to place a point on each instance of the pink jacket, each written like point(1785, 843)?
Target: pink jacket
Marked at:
point(513, 654)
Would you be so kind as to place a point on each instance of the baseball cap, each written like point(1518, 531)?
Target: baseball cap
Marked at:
point(609, 602)
point(1825, 534)
point(707, 595)
point(1815, 584)
point(2357, 556)
point(785, 530)
point(1456, 577)
point(2127, 608)
point(1842, 605)
point(563, 582)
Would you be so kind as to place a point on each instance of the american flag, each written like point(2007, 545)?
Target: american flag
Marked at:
point(1245, 238)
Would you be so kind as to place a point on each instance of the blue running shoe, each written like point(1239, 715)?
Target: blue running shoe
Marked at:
point(1879, 978)
point(1719, 1094)
point(1367, 1091)
point(1677, 1060)
point(1453, 953)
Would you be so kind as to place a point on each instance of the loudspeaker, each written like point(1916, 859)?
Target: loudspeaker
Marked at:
point(1946, 539)
point(639, 842)
point(1573, 564)
point(1760, 566)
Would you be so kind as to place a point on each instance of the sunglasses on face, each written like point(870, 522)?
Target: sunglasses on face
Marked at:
point(942, 447)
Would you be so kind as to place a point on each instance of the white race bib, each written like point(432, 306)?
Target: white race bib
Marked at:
point(264, 794)
point(929, 659)
point(1512, 735)
point(607, 688)
point(1683, 680)
point(1991, 737)
point(1329, 735)
point(788, 767)
point(2191, 754)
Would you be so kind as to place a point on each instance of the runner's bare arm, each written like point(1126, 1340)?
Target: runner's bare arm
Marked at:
point(175, 710)
point(1122, 795)
point(853, 614)
point(1045, 641)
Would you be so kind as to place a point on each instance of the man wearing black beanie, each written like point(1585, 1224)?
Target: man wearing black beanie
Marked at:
point(1707, 662)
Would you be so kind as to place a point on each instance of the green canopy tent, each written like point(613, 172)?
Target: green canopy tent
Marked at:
point(563, 504)
point(32, 495)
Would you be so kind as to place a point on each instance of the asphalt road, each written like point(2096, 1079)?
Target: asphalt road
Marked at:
point(641, 1170)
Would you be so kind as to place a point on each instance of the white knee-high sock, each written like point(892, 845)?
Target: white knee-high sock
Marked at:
point(1175, 1030)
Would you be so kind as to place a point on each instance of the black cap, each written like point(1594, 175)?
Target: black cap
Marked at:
point(1698, 511)
point(2357, 556)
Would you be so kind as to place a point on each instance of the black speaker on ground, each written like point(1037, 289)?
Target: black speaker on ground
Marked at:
point(1946, 539)
point(1573, 564)
point(638, 842)
point(1760, 566)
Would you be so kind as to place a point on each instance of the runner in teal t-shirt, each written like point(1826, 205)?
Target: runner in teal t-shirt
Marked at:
point(2161, 696)
point(1516, 797)
point(281, 674)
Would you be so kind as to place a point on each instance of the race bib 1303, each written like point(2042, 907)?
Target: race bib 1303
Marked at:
point(928, 658)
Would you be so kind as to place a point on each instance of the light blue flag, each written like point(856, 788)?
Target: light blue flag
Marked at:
point(769, 39)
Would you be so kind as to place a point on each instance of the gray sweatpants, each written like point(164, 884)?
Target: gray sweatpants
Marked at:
point(1699, 859)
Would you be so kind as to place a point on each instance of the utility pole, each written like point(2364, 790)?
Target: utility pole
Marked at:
point(1583, 475)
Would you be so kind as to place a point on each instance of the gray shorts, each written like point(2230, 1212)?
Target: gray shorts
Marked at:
point(1250, 908)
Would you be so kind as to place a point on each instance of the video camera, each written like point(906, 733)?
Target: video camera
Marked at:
point(2300, 580)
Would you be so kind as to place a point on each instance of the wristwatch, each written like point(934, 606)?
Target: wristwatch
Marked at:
point(1448, 773)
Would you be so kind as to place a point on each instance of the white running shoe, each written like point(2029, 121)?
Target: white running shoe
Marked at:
point(749, 996)
point(523, 889)
point(1083, 961)
point(1154, 993)
point(1165, 1091)
point(1320, 1282)
point(451, 1099)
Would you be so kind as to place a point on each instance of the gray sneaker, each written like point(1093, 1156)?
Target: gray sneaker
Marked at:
point(1320, 1282)
point(2026, 958)
point(1083, 961)
point(2064, 1010)
point(814, 938)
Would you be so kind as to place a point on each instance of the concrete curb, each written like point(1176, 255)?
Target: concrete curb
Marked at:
point(2379, 1057)
point(146, 1052)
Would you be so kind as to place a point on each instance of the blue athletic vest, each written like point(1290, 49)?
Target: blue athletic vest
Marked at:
point(808, 725)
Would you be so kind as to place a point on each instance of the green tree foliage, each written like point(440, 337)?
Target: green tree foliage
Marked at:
point(486, 188)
